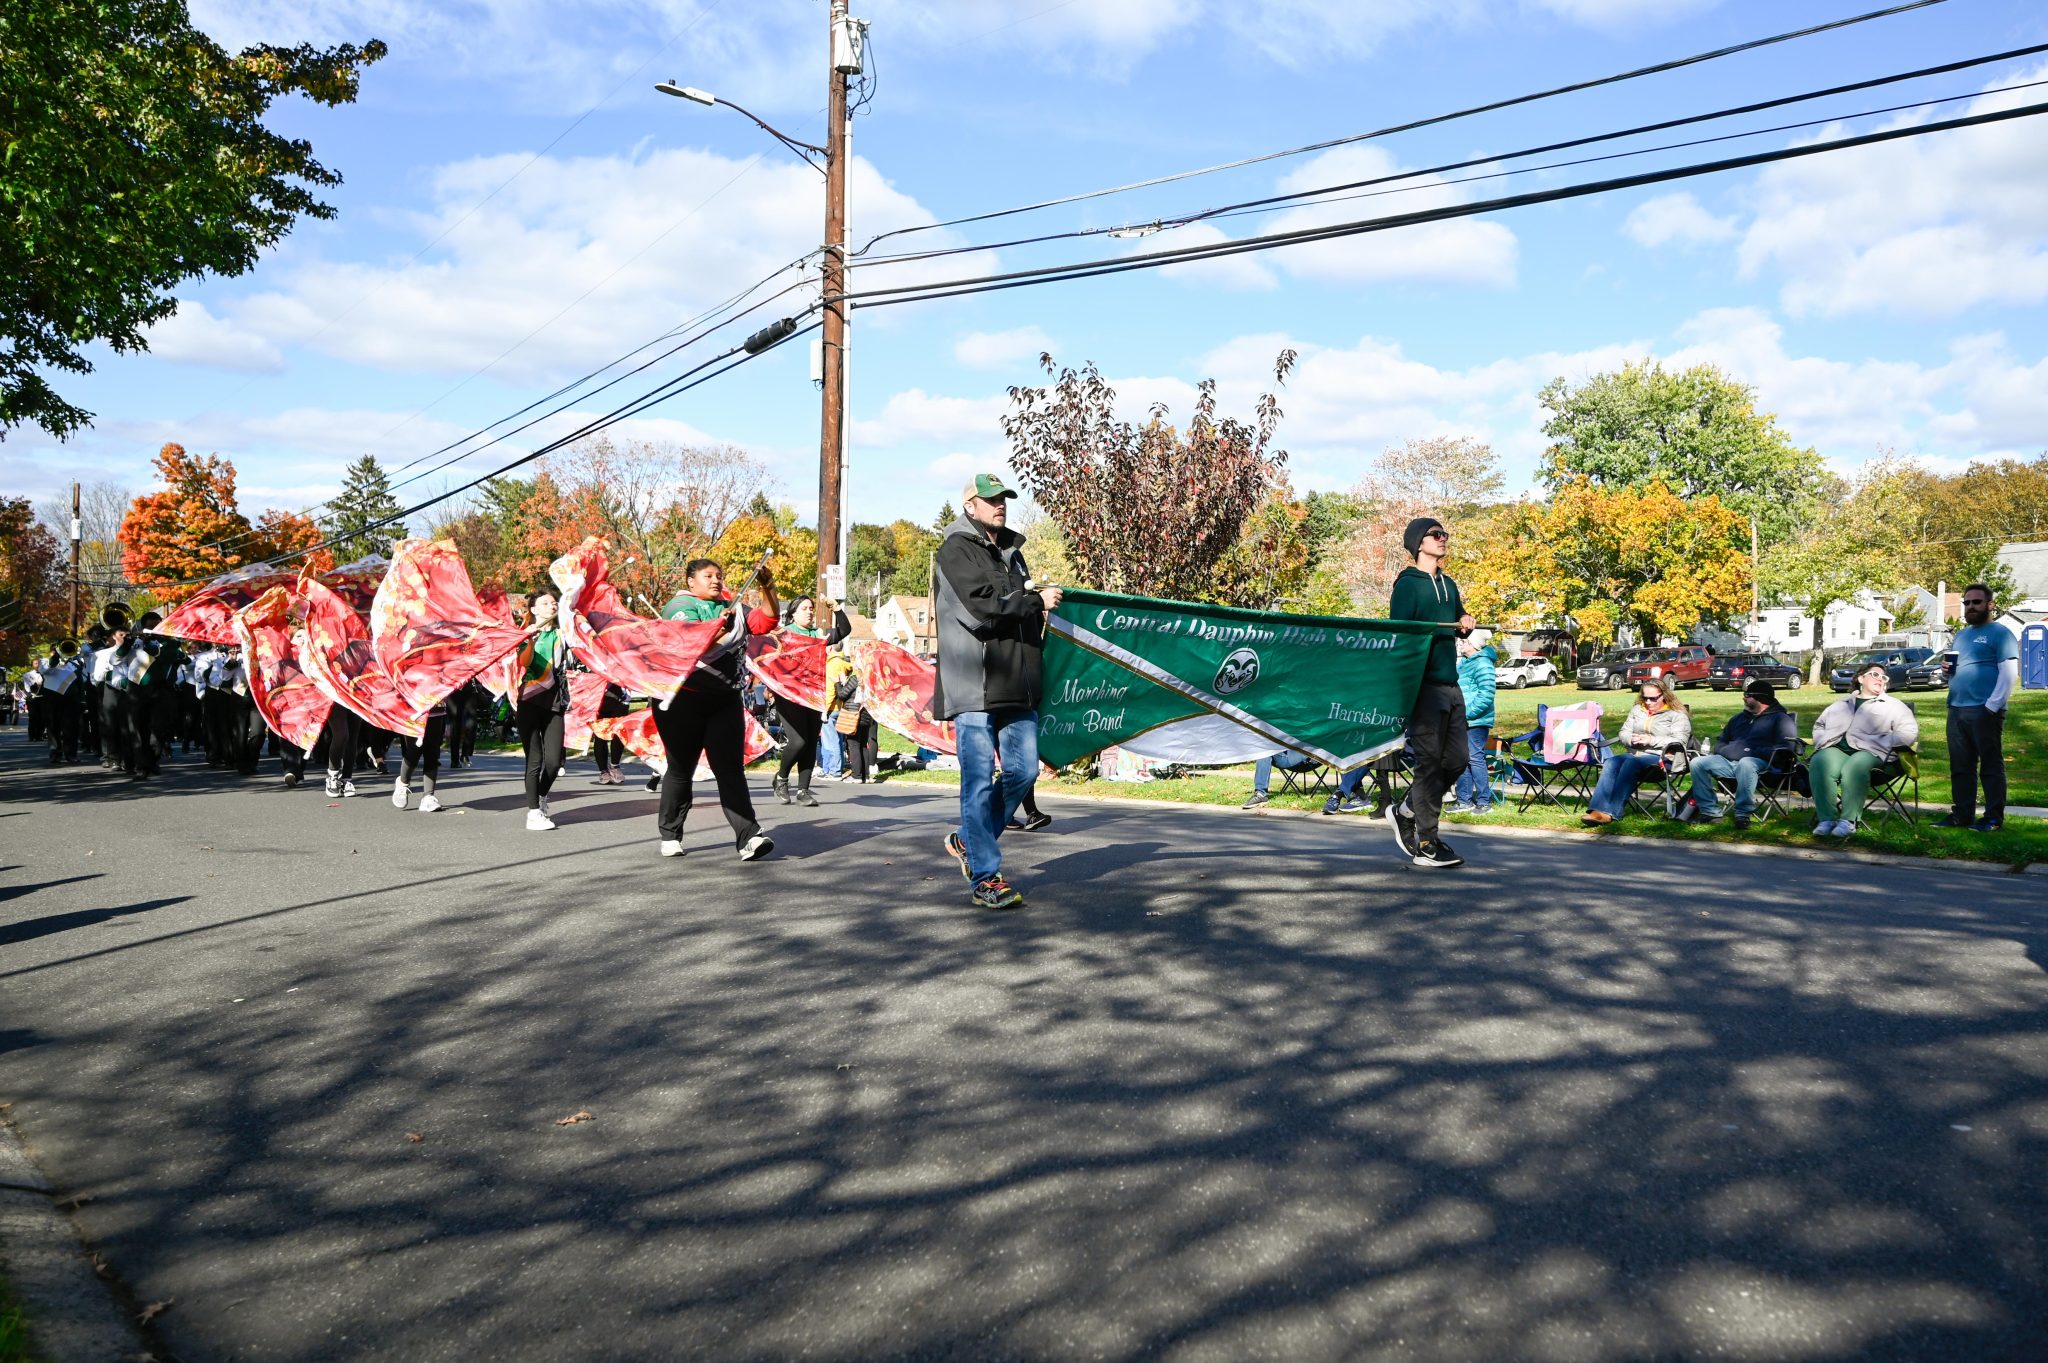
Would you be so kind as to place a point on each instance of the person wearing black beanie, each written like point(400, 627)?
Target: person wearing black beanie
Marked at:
point(1436, 725)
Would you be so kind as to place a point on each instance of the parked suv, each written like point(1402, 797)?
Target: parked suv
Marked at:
point(1681, 667)
point(1610, 670)
point(1733, 671)
point(1907, 667)
point(1522, 671)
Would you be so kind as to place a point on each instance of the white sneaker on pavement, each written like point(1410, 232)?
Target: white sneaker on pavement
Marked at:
point(429, 804)
point(671, 847)
point(399, 794)
point(758, 846)
point(537, 821)
point(348, 790)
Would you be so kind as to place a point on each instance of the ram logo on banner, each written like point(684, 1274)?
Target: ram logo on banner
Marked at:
point(1208, 685)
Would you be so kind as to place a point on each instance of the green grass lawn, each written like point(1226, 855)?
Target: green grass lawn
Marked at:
point(14, 1346)
point(2022, 841)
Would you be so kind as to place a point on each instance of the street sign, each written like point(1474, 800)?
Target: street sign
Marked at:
point(835, 581)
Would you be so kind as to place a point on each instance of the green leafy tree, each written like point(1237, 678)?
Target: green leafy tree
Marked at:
point(871, 550)
point(136, 158)
point(1696, 431)
point(947, 515)
point(356, 518)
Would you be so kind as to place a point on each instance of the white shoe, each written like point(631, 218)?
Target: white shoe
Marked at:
point(537, 821)
point(1826, 830)
point(333, 788)
point(1844, 828)
point(670, 847)
point(758, 846)
point(429, 804)
point(399, 794)
point(348, 790)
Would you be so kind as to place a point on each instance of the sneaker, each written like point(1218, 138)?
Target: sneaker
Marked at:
point(802, 795)
point(997, 893)
point(781, 788)
point(1845, 829)
point(1259, 797)
point(758, 846)
point(1436, 853)
point(291, 779)
point(348, 790)
point(333, 787)
point(671, 847)
point(1457, 807)
point(1480, 811)
point(1354, 804)
point(1034, 822)
point(399, 795)
point(1741, 822)
point(430, 804)
point(957, 850)
point(537, 821)
point(1403, 822)
point(1952, 820)
point(1989, 823)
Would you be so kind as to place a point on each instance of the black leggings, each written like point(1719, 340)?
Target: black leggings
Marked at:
point(607, 752)
point(423, 754)
point(862, 748)
point(712, 723)
point(540, 732)
point(344, 739)
point(800, 728)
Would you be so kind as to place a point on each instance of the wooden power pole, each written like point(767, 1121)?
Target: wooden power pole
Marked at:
point(75, 529)
point(843, 55)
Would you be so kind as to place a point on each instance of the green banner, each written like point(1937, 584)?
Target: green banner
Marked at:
point(1210, 685)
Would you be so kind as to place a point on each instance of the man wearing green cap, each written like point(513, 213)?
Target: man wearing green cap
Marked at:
point(991, 622)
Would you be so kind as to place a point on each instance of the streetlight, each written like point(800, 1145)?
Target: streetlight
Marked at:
point(847, 41)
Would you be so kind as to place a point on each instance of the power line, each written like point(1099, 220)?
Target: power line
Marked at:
point(1413, 124)
point(1308, 197)
point(912, 293)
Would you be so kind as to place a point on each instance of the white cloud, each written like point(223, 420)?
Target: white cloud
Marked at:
point(1462, 251)
point(915, 416)
point(1239, 273)
point(596, 253)
point(193, 335)
point(1675, 217)
point(1926, 227)
point(1001, 349)
point(1615, 14)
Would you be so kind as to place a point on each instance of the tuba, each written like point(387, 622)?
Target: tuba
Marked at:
point(115, 617)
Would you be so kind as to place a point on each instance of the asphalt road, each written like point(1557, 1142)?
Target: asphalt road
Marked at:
point(1230, 1087)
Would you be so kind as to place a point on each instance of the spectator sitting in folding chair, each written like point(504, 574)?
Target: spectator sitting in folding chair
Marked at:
point(1656, 725)
point(1288, 760)
point(1853, 738)
point(1749, 741)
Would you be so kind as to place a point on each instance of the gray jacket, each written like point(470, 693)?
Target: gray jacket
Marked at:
point(991, 624)
point(1669, 728)
point(1879, 727)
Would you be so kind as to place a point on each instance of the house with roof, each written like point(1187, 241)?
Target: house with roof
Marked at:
point(906, 621)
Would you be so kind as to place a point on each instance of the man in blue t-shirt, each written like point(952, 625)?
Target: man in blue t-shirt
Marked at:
point(1987, 670)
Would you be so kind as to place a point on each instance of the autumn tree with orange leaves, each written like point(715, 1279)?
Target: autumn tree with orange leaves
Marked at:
point(174, 540)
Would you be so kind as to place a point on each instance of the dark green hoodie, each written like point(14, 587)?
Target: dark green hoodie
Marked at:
point(1432, 597)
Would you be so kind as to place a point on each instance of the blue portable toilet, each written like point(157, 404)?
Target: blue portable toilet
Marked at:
point(2034, 656)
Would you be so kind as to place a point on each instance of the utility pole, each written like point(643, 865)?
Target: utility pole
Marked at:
point(1756, 591)
point(75, 529)
point(843, 47)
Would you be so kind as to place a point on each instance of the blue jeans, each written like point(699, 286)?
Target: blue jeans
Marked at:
point(831, 757)
point(986, 802)
point(1743, 772)
point(1287, 759)
point(1475, 787)
point(1619, 778)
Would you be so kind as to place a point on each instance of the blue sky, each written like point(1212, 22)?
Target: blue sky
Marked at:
point(1888, 297)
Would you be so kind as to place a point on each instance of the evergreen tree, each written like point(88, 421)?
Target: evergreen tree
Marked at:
point(356, 518)
point(946, 517)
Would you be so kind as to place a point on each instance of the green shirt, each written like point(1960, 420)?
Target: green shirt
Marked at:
point(1432, 597)
point(689, 606)
point(540, 665)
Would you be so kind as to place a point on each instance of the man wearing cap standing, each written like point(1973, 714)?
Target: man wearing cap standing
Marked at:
point(1436, 726)
point(1747, 742)
point(991, 624)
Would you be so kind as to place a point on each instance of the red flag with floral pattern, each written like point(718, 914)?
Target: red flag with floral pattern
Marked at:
point(899, 687)
point(648, 657)
point(285, 696)
point(208, 616)
point(791, 665)
point(335, 650)
point(429, 632)
point(643, 740)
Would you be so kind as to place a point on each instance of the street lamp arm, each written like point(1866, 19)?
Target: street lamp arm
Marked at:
point(803, 149)
point(792, 143)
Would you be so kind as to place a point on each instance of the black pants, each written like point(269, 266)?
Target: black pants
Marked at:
point(861, 747)
point(1976, 748)
point(463, 709)
point(60, 722)
point(607, 752)
point(709, 722)
point(800, 728)
point(540, 733)
point(1436, 734)
point(117, 747)
point(89, 719)
point(244, 729)
point(152, 718)
point(423, 754)
point(219, 720)
point(343, 739)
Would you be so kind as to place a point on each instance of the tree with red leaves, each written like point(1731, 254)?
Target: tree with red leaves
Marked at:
point(174, 540)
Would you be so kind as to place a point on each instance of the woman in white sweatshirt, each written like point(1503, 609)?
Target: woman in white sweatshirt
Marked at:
point(1852, 738)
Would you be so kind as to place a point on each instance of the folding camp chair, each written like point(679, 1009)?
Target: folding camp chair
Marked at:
point(1781, 777)
point(1309, 778)
point(1665, 786)
point(1895, 789)
point(1547, 782)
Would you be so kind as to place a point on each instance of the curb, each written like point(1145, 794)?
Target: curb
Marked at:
point(1904, 863)
point(72, 1314)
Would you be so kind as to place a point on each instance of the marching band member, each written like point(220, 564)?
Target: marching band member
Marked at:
point(705, 716)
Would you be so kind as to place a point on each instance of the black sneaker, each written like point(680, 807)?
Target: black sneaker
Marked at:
point(1741, 822)
point(802, 795)
point(1034, 822)
point(1989, 823)
point(1404, 828)
point(1259, 797)
point(1437, 853)
point(997, 893)
point(957, 850)
point(781, 789)
point(654, 781)
point(1952, 820)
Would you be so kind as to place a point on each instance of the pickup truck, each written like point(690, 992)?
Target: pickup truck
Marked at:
point(1682, 667)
